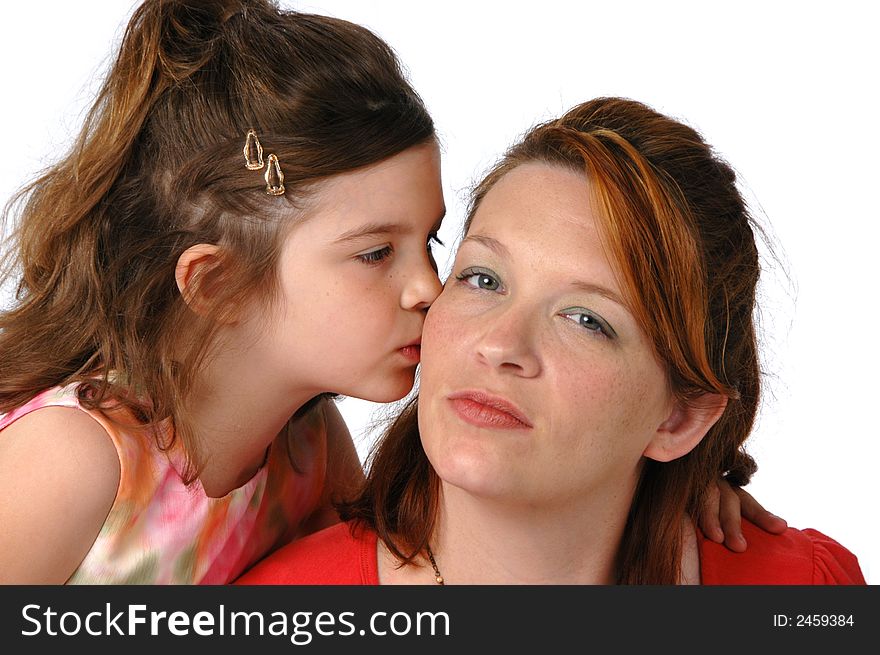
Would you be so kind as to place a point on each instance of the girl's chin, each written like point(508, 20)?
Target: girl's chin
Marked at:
point(383, 393)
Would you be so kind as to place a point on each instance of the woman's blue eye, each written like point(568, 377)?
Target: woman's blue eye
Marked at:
point(375, 256)
point(479, 279)
point(589, 322)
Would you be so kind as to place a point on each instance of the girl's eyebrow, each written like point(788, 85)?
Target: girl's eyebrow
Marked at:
point(372, 229)
point(375, 229)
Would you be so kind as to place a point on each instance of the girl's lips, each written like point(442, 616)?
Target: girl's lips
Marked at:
point(412, 352)
point(486, 411)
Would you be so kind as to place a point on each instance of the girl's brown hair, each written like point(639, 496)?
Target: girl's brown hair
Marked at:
point(158, 167)
point(682, 240)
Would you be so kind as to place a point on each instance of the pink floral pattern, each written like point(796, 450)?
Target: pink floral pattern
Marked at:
point(160, 531)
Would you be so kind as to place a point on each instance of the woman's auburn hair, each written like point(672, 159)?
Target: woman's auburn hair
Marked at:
point(159, 167)
point(682, 240)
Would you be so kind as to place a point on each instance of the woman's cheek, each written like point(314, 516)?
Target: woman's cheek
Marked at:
point(442, 331)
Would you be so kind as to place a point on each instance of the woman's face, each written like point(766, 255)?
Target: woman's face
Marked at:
point(537, 384)
point(356, 277)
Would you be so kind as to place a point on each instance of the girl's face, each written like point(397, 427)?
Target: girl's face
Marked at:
point(356, 278)
point(538, 386)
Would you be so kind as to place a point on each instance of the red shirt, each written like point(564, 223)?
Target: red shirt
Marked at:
point(339, 555)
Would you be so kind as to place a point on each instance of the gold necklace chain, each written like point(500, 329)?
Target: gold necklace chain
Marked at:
point(437, 577)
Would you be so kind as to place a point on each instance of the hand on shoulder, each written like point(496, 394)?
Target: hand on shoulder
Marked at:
point(59, 473)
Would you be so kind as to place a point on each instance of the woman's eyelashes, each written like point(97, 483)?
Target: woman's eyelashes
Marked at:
point(480, 278)
point(587, 320)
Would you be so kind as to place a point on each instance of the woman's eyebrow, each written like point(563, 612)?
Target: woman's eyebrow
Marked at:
point(594, 289)
point(492, 244)
point(599, 290)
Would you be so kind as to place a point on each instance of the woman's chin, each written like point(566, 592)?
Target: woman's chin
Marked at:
point(474, 477)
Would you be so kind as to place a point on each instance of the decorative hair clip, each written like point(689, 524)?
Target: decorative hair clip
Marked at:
point(253, 152)
point(253, 161)
point(274, 177)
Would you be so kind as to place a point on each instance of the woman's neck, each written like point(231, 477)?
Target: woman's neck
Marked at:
point(489, 543)
point(480, 542)
point(236, 414)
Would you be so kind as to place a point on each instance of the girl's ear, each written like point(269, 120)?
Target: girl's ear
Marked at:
point(685, 427)
point(192, 272)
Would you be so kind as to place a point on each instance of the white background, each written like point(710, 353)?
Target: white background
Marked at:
point(786, 91)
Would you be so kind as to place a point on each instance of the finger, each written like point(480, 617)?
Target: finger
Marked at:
point(730, 515)
point(709, 523)
point(755, 512)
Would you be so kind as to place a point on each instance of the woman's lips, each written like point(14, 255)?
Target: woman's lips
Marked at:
point(487, 411)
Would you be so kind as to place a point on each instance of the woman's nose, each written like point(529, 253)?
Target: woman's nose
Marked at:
point(509, 344)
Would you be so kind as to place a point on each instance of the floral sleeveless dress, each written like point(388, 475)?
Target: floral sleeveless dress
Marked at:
point(160, 531)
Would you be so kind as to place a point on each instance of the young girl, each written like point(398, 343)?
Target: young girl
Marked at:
point(243, 226)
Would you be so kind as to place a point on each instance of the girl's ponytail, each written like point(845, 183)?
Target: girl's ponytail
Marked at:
point(158, 168)
point(64, 209)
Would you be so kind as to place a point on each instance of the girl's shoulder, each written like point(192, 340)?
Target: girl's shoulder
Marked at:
point(54, 423)
point(55, 397)
point(50, 449)
point(56, 418)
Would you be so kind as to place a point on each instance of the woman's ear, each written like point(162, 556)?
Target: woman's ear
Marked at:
point(191, 274)
point(685, 427)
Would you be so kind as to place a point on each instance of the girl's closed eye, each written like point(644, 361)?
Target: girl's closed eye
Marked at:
point(433, 240)
point(589, 322)
point(378, 255)
point(375, 256)
point(480, 278)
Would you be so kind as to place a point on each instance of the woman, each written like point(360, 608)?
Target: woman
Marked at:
point(589, 368)
point(246, 179)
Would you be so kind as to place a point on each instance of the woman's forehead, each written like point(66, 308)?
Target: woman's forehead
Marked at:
point(542, 201)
